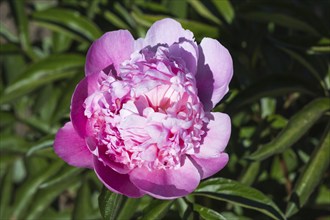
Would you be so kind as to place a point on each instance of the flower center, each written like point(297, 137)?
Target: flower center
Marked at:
point(148, 114)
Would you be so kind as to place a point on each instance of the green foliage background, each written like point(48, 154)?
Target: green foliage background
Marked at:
point(278, 102)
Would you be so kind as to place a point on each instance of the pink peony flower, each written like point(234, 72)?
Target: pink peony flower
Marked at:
point(141, 116)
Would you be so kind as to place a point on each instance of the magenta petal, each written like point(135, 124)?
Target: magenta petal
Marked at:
point(210, 166)
point(215, 70)
point(112, 48)
point(69, 146)
point(167, 184)
point(217, 136)
point(116, 182)
point(166, 31)
point(85, 87)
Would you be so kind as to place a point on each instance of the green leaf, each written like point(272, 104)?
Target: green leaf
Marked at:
point(115, 20)
point(300, 59)
point(83, 202)
point(10, 143)
point(5, 32)
point(23, 29)
point(6, 193)
point(203, 11)
point(52, 68)
point(129, 208)
point(298, 125)
point(66, 173)
point(199, 29)
point(68, 21)
point(39, 146)
point(226, 9)
point(46, 196)
point(109, 204)
point(26, 192)
point(157, 210)
point(237, 193)
point(281, 20)
point(271, 86)
point(250, 174)
point(207, 213)
point(311, 176)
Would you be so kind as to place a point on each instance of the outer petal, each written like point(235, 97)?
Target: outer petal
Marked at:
point(116, 182)
point(72, 148)
point(112, 48)
point(167, 184)
point(217, 136)
point(166, 31)
point(215, 70)
point(210, 166)
point(85, 87)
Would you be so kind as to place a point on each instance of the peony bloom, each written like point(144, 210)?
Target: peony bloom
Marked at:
point(141, 116)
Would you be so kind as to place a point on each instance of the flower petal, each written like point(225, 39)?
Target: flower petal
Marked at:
point(217, 136)
point(112, 48)
point(167, 184)
point(166, 31)
point(188, 52)
point(119, 183)
point(215, 70)
point(85, 87)
point(210, 166)
point(69, 146)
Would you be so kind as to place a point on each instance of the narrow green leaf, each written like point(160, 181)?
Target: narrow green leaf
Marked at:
point(6, 193)
point(281, 20)
point(306, 64)
point(10, 143)
point(199, 29)
point(109, 204)
point(82, 206)
point(298, 125)
point(250, 174)
point(128, 209)
point(45, 71)
point(44, 197)
point(226, 9)
point(157, 210)
point(207, 213)
point(203, 11)
point(311, 176)
point(39, 146)
point(271, 86)
point(23, 29)
point(5, 32)
point(66, 173)
point(115, 20)
point(124, 13)
point(26, 192)
point(237, 193)
point(69, 20)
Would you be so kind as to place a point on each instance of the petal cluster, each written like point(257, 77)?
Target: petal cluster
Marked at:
point(141, 116)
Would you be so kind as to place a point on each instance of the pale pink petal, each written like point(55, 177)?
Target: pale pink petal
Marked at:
point(166, 31)
point(217, 136)
point(188, 52)
point(215, 70)
point(112, 48)
point(167, 184)
point(210, 166)
point(119, 183)
point(85, 87)
point(69, 146)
